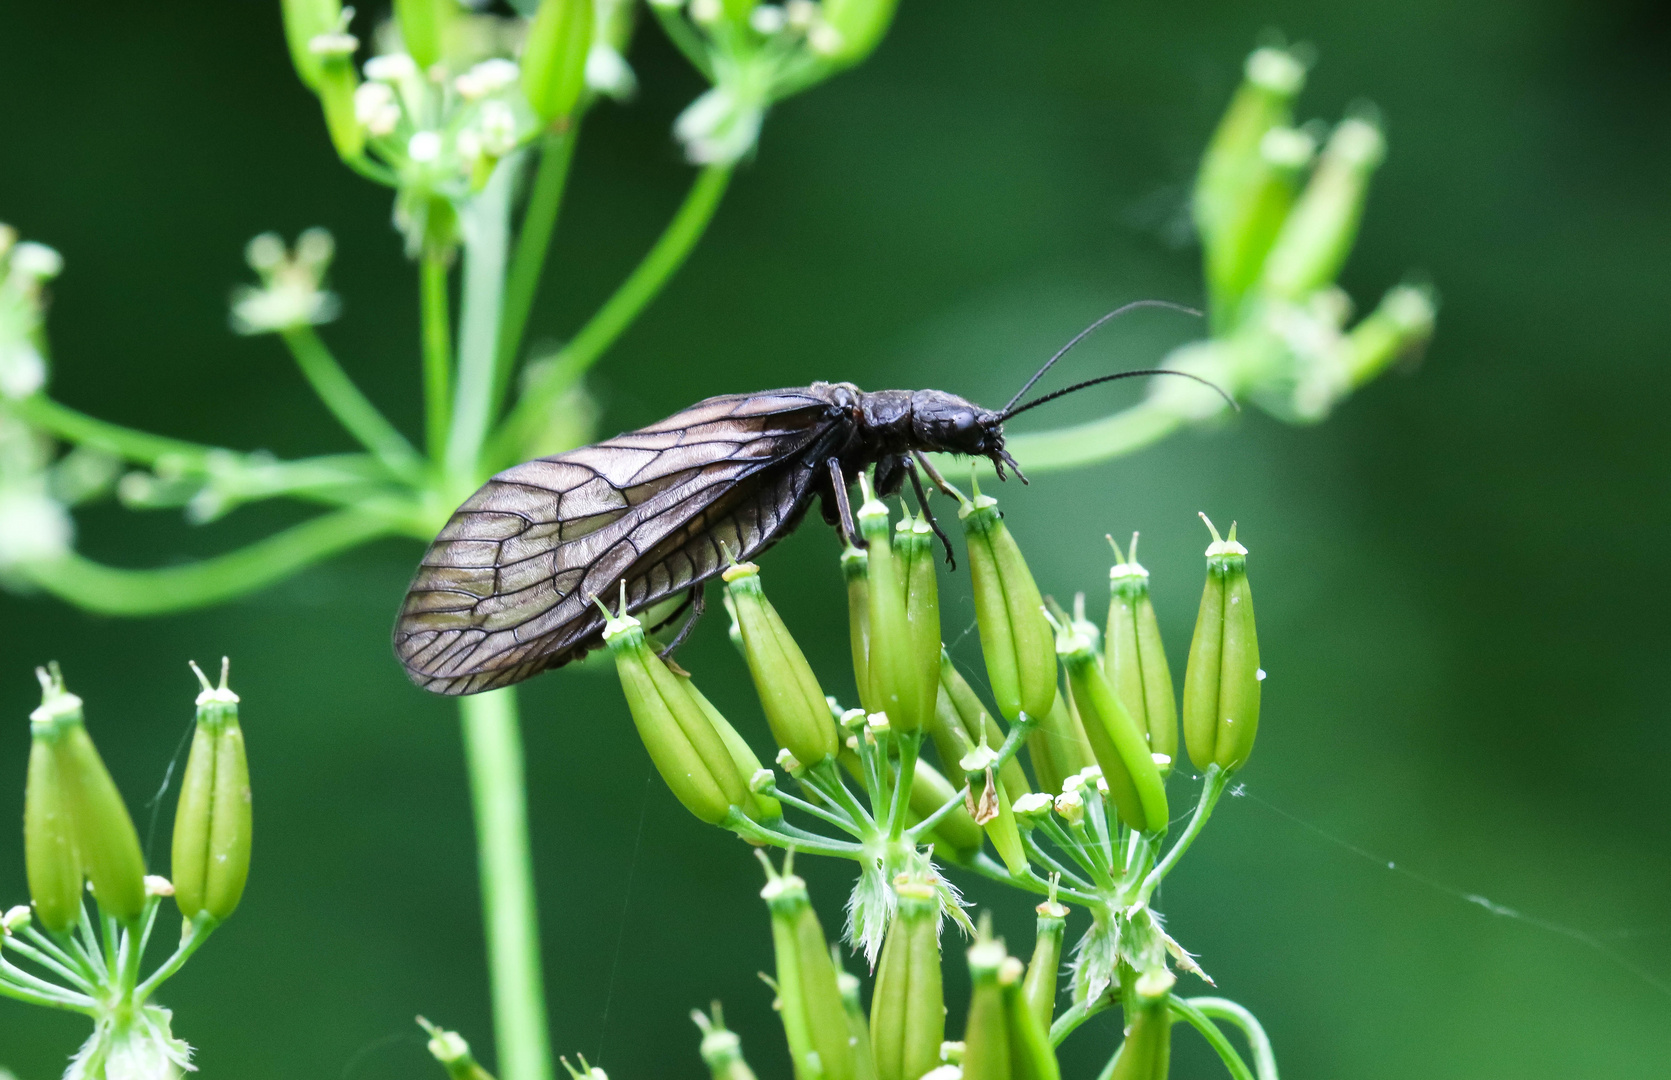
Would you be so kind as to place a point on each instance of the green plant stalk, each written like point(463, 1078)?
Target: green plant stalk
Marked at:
point(486, 222)
point(1125, 432)
point(1233, 1062)
point(109, 590)
point(1264, 1059)
point(533, 243)
point(1212, 786)
point(617, 313)
point(353, 410)
point(498, 789)
point(437, 330)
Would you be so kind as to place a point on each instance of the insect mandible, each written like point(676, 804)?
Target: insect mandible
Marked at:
point(506, 590)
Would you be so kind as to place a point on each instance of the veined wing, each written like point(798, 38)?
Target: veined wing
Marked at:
point(506, 589)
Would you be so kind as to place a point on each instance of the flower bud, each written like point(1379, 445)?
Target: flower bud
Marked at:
point(305, 20)
point(687, 751)
point(721, 1050)
point(212, 823)
point(855, 569)
point(81, 800)
point(1058, 746)
point(554, 57)
point(423, 23)
point(1318, 235)
point(852, 29)
point(1265, 99)
point(1147, 1052)
point(1120, 747)
point(789, 693)
point(759, 806)
point(1015, 637)
point(814, 1018)
point(908, 1007)
point(976, 723)
point(1135, 660)
point(901, 683)
point(1045, 967)
point(450, 1050)
point(1221, 684)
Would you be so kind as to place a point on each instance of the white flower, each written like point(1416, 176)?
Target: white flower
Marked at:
point(706, 11)
point(22, 368)
point(375, 107)
point(497, 125)
point(607, 72)
point(424, 147)
point(487, 77)
point(391, 68)
point(289, 295)
point(37, 261)
point(33, 527)
point(720, 127)
point(767, 19)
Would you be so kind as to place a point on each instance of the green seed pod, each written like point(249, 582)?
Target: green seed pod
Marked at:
point(49, 852)
point(1031, 1055)
point(1119, 745)
point(554, 57)
point(850, 31)
point(858, 1028)
point(1273, 79)
point(450, 1050)
point(1221, 684)
point(722, 1050)
point(955, 836)
point(1147, 1052)
point(814, 1018)
point(423, 26)
point(759, 807)
point(855, 569)
point(908, 1008)
point(986, 1035)
point(305, 20)
point(1319, 234)
point(894, 668)
point(914, 544)
point(993, 808)
point(793, 701)
point(1235, 259)
point(1015, 637)
point(1058, 746)
point(686, 750)
point(1135, 657)
point(977, 723)
point(106, 845)
point(1399, 326)
point(212, 823)
point(1045, 968)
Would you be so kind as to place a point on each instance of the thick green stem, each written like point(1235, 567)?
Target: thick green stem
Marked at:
point(1233, 1062)
point(1124, 432)
point(437, 330)
point(353, 410)
point(1264, 1059)
point(109, 590)
point(539, 221)
point(617, 313)
point(498, 787)
point(486, 221)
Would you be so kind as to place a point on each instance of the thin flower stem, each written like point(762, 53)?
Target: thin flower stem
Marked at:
point(1035, 849)
point(1212, 786)
point(684, 38)
point(617, 313)
point(825, 779)
point(1264, 1059)
point(60, 954)
point(109, 590)
point(787, 836)
point(805, 807)
point(915, 833)
point(112, 943)
point(200, 929)
point(51, 964)
point(486, 221)
point(53, 998)
point(1075, 1015)
point(437, 334)
point(498, 787)
point(984, 865)
point(131, 444)
point(533, 242)
point(1066, 843)
point(1215, 1038)
point(353, 410)
point(909, 744)
point(87, 943)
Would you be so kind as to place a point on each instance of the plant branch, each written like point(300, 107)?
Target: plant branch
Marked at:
point(617, 313)
point(1077, 1014)
point(486, 220)
point(437, 332)
point(131, 444)
point(353, 410)
point(533, 243)
point(199, 930)
point(1264, 1059)
point(1215, 1038)
point(1212, 786)
point(1121, 433)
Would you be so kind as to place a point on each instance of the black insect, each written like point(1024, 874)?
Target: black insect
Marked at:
point(506, 590)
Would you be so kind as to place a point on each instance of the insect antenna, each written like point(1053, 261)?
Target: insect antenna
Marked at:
point(1083, 334)
point(1054, 394)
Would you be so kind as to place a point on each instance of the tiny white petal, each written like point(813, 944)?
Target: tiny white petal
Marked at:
point(425, 146)
point(393, 67)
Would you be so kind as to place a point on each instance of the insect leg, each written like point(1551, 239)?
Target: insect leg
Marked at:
point(934, 474)
point(684, 605)
point(922, 501)
point(698, 604)
point(838, 483)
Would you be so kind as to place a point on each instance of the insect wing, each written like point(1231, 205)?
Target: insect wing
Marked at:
point(506, 589)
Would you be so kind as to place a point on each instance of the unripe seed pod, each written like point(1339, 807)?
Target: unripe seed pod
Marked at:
point(423, 23)
point(955, 836)
point(1251, 225)
point(1273, 79)
point(854, 29)
point(814, 1018)
point(977, 723)
point(1121, 748)
point(1015, 637)
point(1319, 233)
point(1147, 1052)
point(790, 696)
point(49, 852)
point(993, 808)
point(759, 807)
point(1221, 684)
point(894, 668)
point(212, 824)
point(1031, 1055)
point(1135, 658)
point(1058, 746)
point(908, 1007)
point(1044, 969)
point(554, 57)
point(305, 20)
point(855, 569)
point(986, 1035)
point(858, 1028)
point(682, 742)
point(452, 1053)
point(722, 1050)
point(914, 544)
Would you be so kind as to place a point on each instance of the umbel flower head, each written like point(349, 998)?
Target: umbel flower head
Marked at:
point(290, 295)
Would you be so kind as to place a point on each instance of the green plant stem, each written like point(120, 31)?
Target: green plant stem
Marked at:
point(988, 867)
point(353, 410)
point(1075, 1015)
point(19, 984)
point(201, 928)
point(486, 221)
point(533, 243)
point(1264, 1059)
point(944, 810)
point(437, 332)
point(109, 590)
point(131, 444)
point(1212, 786)
point(498, 788)
point(617, 313)
point(1124, 432)
point(785, 835)
point(1215, 1038)
point(52, 963)
point(845, 824)
point(909, 744)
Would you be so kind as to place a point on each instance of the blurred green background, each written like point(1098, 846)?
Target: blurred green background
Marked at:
point(1460, 576)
